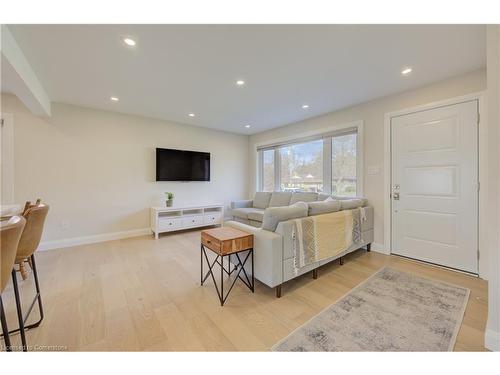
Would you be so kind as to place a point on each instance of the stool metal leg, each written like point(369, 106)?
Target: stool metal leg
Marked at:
point(5, 329)
point(37, 298)
point(19, 310)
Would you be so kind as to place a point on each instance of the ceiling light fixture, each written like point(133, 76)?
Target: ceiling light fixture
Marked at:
point(240, 82)
point(114, 99)
point(129, 42)
point(247, 126)
point(191, 115)
point(406, 71)
point(305, 106)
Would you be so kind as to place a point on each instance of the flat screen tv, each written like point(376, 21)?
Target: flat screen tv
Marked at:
point(181, 165)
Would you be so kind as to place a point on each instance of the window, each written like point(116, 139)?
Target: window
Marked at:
point(325, 163)
point(301, 167)
point(268, 170)
point(344, 165)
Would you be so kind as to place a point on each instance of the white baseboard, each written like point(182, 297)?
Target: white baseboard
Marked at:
point(492, 340)
point(379, 248)
point(76, 241)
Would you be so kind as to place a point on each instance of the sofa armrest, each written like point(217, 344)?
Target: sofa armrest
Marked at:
point(268, 253)
point(242, 204)
point(368, 223)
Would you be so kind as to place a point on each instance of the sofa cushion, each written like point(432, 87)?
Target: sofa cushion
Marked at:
point(261, 199)
point(303, 197)
point(256, 215)
point(242, 213)
point(323, 207)
point(280, 199)
point(323, 196)
point(349, 204)
point(273, 215)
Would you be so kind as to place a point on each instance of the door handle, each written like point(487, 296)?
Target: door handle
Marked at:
point(395, 196)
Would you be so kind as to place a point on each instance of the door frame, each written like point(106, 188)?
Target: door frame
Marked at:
point(482, 171)
point(8, 132)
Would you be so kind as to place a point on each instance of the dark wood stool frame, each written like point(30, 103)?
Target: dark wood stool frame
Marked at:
point(238, 268)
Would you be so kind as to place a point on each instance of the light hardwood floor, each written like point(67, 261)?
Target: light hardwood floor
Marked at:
point(144, 294)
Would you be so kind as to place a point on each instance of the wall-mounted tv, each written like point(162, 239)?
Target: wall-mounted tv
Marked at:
point(181, 165)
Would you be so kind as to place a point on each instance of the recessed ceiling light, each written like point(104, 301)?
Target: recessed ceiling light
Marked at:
point(240, 82)
point(129, 42)
point(305, 106)
point(406, 71)
point(247, 126)
point(114, 99)
point(191, 115)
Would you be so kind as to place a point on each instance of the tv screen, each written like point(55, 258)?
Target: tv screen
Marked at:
point(180, 165)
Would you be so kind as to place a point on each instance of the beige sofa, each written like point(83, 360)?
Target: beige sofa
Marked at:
point(251, 211)
point(273, 244)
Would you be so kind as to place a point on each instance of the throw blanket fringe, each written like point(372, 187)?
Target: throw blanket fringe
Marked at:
point(316, 238)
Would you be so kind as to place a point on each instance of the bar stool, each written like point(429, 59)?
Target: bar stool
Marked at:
point(30, 239)
point(10, 234)
point(35, 215)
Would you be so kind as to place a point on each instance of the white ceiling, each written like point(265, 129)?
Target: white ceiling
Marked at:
point(177, 69)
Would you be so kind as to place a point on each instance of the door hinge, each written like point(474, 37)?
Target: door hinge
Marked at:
point(478, 186)
point(478, 118)
point(1, 122)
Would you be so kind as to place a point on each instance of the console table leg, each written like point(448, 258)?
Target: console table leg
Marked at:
point(222, 280)
point(201, 264)
point(253, 278)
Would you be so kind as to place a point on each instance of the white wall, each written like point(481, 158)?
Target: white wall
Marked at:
point(372, 113)
point(492, 338)
point(96, 169)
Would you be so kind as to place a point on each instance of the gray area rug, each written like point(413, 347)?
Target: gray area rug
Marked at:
point(390, 311)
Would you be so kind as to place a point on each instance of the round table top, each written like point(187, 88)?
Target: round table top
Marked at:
point(10, 209)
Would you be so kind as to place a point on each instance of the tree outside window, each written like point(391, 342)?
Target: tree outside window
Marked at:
point(301, 167)
point(344, 165)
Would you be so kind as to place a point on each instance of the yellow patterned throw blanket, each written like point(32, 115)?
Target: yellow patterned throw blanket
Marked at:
point(320, 237)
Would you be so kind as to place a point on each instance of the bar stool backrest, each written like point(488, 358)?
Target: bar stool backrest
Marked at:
point(10, 234)
point(32, 233)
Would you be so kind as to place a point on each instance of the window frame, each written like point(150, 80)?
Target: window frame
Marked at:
point(260, 168)
point(326, 134)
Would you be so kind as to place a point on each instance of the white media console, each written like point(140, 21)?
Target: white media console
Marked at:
point(168, 219)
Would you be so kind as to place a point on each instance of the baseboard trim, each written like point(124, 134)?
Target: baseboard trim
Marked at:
point(77, 241)
point(492, 340)
point(379, 248)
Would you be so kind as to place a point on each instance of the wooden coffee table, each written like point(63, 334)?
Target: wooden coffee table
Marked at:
point(227, 242)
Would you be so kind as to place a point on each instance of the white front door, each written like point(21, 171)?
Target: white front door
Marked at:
point(435, 185)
